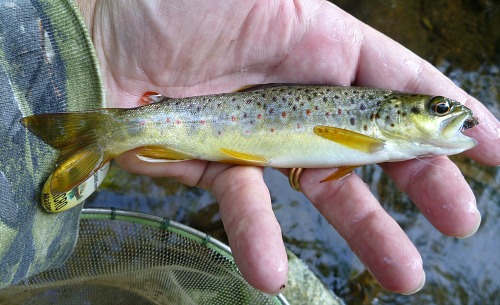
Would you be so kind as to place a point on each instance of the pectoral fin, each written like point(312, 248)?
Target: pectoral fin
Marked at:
point(340, 172)
point(161, 154)
point(349, 138)
point(243, 158)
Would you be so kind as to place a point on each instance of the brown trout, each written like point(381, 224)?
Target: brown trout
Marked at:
point(286, 126)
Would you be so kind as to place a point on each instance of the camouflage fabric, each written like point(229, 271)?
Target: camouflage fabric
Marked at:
point(47, 64)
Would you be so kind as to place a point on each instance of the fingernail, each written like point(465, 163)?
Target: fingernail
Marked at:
point(419, 287)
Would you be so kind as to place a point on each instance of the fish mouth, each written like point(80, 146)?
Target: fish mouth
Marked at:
point(454, 125)
point(469, 123)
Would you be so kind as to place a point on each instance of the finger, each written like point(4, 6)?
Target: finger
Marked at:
point(373, 235)
point(253, 231)
point(441, 193)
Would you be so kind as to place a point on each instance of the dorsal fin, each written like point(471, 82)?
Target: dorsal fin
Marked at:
point(249, 88)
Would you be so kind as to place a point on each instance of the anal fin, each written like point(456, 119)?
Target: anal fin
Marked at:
point(242, 158)
point(161, 154)
point(349, 138)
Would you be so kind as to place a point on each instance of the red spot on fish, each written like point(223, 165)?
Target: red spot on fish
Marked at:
point(233, 118)
point(327, 114)
point(167, 120)
point(299, 126)
point(272, 129)
point(259, 116)
point(284, 114)
point(308, 112)
point(178, 122)
point(339, 111)
point(142, 123)
point(202, 122)
point(316, 108)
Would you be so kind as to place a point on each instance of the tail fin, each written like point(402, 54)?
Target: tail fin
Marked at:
point(76, 136)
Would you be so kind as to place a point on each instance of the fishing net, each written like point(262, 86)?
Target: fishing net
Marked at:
point(124, 257)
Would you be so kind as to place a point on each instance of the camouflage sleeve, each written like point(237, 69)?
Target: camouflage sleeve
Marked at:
point(47, 64)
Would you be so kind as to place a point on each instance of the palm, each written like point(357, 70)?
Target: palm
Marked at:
point(182, 49)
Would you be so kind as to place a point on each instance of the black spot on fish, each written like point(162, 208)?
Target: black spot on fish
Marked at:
point(336, 97)
point(294, 108)
point(234, 99)
point(259, 104)
point(392, 124)
point(353, 121)
point(372, 116)
point(245, 115)
point(248, 102)
point(362, 107)
point(371, 97)
point(263, 95)
point(271, 111)
point(404, 114)
point(284, 99)
point(379, 103)
point(365, 127)
point(325, 99)
point(274, 99)
point(309, 98)
point(415, 110)
point(238, 107)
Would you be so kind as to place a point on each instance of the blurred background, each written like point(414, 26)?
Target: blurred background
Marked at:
point(461, 38)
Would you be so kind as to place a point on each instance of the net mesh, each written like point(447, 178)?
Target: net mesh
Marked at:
point(137, 259)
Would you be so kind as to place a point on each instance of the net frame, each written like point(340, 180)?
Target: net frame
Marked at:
point(141, 219)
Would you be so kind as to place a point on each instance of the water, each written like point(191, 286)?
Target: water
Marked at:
point(463, 40)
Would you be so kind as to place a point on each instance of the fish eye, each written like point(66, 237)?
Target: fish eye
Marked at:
point(439, 106)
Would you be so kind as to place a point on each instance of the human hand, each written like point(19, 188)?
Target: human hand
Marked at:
point(184, 48)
